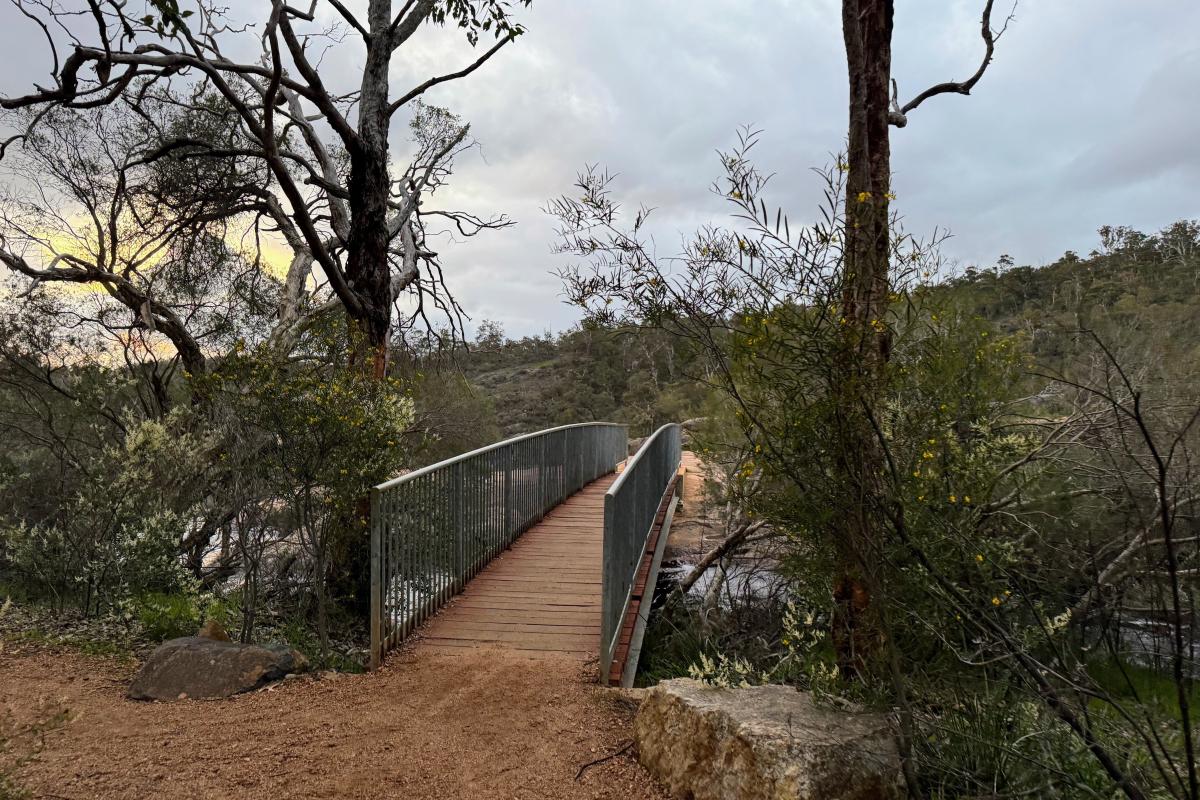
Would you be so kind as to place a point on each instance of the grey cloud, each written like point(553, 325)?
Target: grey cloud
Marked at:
point(1157, 132)
point(1089, 115)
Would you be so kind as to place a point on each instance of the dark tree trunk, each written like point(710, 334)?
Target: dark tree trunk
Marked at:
point(368, 273)
point(369, 185)
point(367, 257)
point(868, 33)
point(867, 28)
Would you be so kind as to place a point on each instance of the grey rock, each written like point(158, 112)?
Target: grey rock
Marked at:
point(763, 743)
point(197, 667)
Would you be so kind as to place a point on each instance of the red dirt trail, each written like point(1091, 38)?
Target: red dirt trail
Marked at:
point(470, 724)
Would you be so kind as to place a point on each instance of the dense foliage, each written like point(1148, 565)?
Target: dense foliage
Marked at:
point(242, 499)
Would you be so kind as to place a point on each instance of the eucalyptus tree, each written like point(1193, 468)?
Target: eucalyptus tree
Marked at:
point(223, 196)
point(849, 263)
point(867, 289)
point(234, 109)
point(833, 283)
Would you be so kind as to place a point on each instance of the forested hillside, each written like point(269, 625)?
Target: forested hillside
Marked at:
point(589, 373)
point(1139, 293)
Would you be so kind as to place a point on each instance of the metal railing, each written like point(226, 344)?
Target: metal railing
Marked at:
point(433, 529)
point(630, 507)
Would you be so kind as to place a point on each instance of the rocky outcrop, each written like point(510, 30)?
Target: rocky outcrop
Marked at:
point(201, 667)
point(763, 743)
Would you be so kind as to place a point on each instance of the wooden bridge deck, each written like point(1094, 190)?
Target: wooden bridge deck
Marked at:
point(543, 594)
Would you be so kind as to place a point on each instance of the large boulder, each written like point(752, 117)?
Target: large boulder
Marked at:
point(201, 667)
point(763, 742)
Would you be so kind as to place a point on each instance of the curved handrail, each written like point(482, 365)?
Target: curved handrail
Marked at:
point(632, 463)
point(416, 473)
point(631, 507)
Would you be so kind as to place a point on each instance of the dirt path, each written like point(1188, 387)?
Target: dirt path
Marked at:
point(696, 526)
point(474, 724)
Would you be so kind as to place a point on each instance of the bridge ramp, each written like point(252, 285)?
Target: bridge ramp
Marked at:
point(542, 596)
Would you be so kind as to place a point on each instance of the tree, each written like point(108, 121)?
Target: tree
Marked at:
point(300, 159)
point(165, 167)
point(1004, 504)
point(866, 294)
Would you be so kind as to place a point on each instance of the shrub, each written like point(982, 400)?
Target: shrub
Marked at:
point(320, 434)
point(167, 616)
point(120, 534)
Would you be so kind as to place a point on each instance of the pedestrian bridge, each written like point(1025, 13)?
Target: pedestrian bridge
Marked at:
point(543, 543)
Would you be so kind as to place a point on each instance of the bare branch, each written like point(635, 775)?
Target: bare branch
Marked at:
point(899, 115)
point(462, 73)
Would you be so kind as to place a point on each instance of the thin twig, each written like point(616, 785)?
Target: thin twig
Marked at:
point(623, 749)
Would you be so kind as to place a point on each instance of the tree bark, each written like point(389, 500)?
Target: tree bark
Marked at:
point(866, 344)
point(367, 270)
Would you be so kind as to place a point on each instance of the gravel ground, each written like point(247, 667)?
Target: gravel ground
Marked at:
point(476, 724)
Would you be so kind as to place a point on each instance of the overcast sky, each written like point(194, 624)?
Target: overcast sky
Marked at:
point(1090, 115)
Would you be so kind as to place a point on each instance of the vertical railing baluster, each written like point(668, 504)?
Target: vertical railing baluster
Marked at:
point(458, 499)
point(446, 542)
point(376, 582)
point(387, 501)
point(436, 497)
point(399, 504)
point(541, 472)
point(405, 545)
point(402, 507)
point(423, 525)
point(508, 496)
